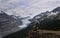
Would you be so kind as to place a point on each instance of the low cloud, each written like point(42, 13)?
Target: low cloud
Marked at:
point(29, 8)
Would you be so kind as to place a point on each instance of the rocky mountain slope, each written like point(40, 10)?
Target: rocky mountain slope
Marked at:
point(49, 20)
point(8, 23)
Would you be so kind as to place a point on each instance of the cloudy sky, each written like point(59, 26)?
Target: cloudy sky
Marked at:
point(26, 8)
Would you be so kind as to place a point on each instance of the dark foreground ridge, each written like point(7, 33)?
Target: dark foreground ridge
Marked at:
point(32, 32)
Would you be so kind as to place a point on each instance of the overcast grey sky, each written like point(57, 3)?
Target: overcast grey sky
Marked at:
point(28, 7)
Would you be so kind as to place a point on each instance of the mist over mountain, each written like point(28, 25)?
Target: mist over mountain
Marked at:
point(49, 20)
point(9, 23)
